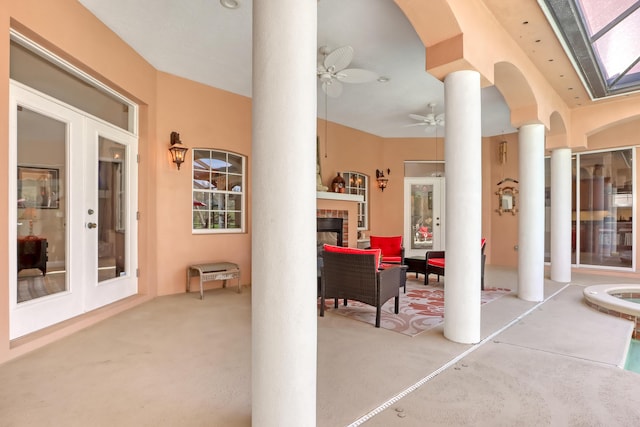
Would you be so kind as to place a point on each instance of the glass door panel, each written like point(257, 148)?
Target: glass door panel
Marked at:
point(111, 209)
point(41, 238)
point(424, 215)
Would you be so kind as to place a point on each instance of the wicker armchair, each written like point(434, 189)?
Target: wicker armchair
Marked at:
point(356, 276)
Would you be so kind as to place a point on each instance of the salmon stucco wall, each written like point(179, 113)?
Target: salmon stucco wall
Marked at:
point(209, 118)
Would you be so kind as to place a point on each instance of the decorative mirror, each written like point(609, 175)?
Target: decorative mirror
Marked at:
point(507, 200)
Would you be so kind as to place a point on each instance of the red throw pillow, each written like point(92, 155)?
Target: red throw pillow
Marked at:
point(346, 250)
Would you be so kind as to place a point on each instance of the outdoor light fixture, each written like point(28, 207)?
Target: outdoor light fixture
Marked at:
point(178, 152)
point(382, 181)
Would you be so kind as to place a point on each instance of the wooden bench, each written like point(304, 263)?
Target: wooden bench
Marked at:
point(213, 271)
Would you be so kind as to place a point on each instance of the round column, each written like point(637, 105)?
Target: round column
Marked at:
point(561, 215)
point(531, 212)
point(283, 211)
point(463, 215)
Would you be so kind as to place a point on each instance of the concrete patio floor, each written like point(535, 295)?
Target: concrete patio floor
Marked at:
point(178, 360)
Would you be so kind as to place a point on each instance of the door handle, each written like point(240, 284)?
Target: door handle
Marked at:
point(92, 225)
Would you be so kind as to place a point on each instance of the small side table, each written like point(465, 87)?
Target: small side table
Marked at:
point(417, 264)
point(214, 271)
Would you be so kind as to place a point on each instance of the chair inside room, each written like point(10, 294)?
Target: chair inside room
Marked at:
point(391, 247)
point(354, 274)
point(329, 231)
point(436, 262)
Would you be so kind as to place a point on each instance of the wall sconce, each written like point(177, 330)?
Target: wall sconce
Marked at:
point(382, 181)
point(178, 152)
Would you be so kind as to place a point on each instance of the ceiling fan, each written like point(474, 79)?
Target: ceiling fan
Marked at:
point(430, 119)
point(333, 70)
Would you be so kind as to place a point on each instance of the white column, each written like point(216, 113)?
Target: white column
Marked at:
point(561, 215)
point(531, 211)
point(283, 214)
point(463, 194)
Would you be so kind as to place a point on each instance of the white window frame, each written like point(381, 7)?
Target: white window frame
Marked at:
point(353, 186)
point(202, 195)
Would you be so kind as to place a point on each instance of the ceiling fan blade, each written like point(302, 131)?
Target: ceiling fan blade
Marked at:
point(339, 58)
point(419, 117)
point(416, 124)
point(332, 88)
point(356, 75)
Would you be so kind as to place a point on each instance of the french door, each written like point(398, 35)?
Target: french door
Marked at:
point(423, 215)
point(73, 195)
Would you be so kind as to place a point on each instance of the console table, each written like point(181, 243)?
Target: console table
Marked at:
point(214, 271)
point(32, 253)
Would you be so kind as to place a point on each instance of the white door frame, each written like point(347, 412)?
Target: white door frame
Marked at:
point(80, 295)
point(438, 227)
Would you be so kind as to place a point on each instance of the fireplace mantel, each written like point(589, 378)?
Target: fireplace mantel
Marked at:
point(339, 196)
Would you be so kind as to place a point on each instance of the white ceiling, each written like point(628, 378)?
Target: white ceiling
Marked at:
point(202, 41)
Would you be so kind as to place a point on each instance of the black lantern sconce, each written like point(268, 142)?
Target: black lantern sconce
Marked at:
point(382, 181)
point(178, 152)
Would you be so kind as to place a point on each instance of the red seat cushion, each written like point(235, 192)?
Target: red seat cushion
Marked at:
point(346, 250)
point(390, 246)
point(395, 259)
point(436, 262)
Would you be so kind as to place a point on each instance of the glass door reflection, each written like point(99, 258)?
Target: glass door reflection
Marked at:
point(41, 237)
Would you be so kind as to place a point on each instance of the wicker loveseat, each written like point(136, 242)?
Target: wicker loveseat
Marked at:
point(353, 274)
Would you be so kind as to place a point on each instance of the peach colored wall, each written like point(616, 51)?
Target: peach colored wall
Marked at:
point(503, 233)
point(69, 30)
point(204, 117)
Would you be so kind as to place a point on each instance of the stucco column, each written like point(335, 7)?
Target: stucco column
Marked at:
point(561, 215)
point(463, 194)
point(283, 214)
point(531, 211)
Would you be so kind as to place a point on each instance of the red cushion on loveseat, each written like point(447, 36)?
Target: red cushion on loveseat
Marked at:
point(436, 262)
point(346, 250)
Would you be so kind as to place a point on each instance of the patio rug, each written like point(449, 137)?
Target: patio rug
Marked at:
point(421, 308)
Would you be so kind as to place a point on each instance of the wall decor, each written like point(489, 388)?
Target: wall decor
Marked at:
point(507, 200)
point(38, 188)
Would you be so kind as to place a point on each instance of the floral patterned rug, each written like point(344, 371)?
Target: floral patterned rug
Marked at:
point(421, 308)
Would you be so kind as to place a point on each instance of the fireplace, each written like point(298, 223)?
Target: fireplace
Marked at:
point(329, 221)
point(330, 231)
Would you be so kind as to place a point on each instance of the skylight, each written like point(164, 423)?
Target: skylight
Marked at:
point(602, 36)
